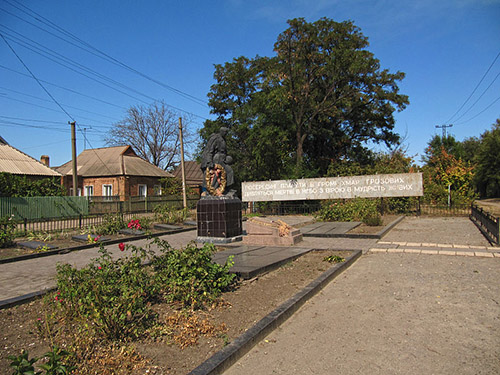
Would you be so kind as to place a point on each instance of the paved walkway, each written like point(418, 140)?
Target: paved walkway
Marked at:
point(30, 276)
point(35, 275)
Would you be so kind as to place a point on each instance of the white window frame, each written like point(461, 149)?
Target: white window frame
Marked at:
point(105, 190)
point(145, 187)
point(88, 189)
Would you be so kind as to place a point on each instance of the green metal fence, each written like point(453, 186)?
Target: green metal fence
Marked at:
point(33, 208)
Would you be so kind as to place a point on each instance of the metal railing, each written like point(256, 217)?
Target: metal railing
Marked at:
point(67, 223)
point(487, 223)
point(443, 210)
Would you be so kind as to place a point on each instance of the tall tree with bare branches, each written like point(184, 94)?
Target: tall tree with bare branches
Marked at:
point(153, 132)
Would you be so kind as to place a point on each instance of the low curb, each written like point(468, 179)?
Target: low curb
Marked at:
point(377, 236)
point(227, 356)
point(89, 246)
point(11, 302)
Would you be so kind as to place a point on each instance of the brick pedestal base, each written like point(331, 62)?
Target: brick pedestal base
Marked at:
point(219, 219)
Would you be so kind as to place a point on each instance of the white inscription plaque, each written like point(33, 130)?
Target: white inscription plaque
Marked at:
point(373, 186)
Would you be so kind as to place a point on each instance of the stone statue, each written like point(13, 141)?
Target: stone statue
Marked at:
point(215, 165)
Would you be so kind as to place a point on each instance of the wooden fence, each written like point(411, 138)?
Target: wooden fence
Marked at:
point(33, 208)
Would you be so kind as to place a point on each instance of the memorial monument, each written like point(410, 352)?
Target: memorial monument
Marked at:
point(218, 210)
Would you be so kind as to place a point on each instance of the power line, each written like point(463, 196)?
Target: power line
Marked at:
point(49, 109)
point(64, 88)
point(99, 53)
point(484, 110)
point(66, 105)
point(59, 105)
point(473, 91)
point(68, 63)
point(484, 92)
point(36, 79)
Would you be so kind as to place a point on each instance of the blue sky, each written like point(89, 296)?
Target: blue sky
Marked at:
point(445, 47)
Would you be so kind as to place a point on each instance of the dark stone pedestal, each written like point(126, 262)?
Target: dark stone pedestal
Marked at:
point(219, 219)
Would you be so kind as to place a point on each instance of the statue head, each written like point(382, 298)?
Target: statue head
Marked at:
point(223, 131)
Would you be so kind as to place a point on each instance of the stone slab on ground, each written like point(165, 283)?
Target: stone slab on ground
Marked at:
point(132, 232)
point(166, 227)
point(33, 245)
point(85, 238)
point(327, 229)
point(250, 261)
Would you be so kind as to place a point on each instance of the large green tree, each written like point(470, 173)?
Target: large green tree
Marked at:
point(322, 97)
point(448, 143)
point(488, 163)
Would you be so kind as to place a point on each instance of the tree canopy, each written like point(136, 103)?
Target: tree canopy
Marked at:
point(488, 163)
point(153, 132)
point(323, 97)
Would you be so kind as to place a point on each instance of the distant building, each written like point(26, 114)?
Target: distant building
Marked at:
point(16, 162)
point(113, 172)
point(194, 176)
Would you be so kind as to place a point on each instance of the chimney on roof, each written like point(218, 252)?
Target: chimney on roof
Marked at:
point(45, 160)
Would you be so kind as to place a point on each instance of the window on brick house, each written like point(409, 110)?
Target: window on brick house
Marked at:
point(88, 191)
point(143, 190)
point(107, 191)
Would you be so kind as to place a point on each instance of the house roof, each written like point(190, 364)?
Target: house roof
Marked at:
point(194, 176)
point(17, 162)
point(112, 161)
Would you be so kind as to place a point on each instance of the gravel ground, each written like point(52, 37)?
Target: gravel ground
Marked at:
point(443, 230)
point(396, 313)
point(392, 314)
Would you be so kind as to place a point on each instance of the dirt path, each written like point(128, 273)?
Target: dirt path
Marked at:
point(491, 205)
point(392, 314)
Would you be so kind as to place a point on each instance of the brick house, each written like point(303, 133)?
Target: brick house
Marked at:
point(113, 172)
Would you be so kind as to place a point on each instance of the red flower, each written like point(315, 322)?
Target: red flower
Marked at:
point(99, 268)
point(121, 246)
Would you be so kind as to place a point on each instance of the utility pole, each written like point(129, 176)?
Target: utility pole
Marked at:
point(184, 198)
point(73, 158)
point(443, 127)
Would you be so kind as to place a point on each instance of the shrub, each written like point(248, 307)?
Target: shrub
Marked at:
point(190, 276)
point(111, 224)
point(111, 296)
point(7, 229)
point(23, 365)
point(167, 215)
point(358, 209)
point(142, 223)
